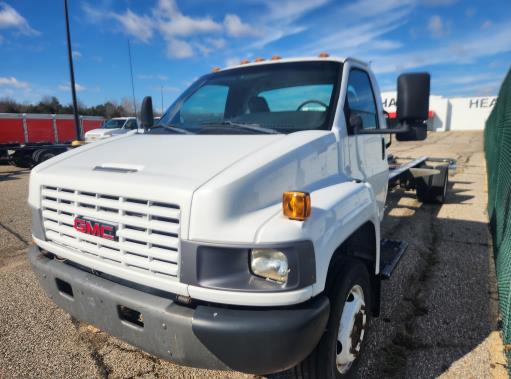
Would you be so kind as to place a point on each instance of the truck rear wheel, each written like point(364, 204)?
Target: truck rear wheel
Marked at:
point(337, 354)
point(433, 188)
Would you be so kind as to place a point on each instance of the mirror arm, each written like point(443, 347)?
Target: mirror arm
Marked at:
point(404, 128)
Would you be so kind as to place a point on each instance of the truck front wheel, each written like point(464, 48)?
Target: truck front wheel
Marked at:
point(337, 354)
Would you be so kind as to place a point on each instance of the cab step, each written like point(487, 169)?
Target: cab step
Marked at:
point(391, 252)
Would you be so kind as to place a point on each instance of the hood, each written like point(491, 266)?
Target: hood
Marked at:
point(147, 166)
point(171, 168)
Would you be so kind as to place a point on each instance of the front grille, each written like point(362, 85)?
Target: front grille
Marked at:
point(147, 231)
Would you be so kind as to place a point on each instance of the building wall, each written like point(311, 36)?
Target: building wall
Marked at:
point(458, 113)
point(470, 113)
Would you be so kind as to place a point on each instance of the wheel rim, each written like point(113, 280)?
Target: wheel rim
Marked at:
point(351, 329)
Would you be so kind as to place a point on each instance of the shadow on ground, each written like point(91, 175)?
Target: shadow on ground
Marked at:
point(435, 308)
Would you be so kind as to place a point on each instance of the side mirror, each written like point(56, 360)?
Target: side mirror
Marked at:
point(413, 105)
point(146, 113)
point(413, 97)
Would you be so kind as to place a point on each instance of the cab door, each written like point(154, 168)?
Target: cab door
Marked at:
point(367, 153)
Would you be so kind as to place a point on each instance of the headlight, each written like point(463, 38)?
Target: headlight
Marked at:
point(270, 264)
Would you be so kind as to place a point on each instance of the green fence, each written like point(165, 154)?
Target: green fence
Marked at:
point(497, 146)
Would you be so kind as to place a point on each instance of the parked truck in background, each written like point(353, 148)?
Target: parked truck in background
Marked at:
point(242, 231)
point(29, 139)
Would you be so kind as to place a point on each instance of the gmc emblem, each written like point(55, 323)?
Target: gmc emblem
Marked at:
point(95, 228)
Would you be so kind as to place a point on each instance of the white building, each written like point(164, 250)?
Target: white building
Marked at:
point(457, 113)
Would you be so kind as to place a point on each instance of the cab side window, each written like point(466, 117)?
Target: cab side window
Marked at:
point(360, 99)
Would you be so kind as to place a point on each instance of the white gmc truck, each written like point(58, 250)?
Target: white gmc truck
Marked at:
point(242, 231)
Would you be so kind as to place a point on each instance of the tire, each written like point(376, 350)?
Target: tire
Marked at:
point(321, 363)
point(433, 188)
point(45, 157)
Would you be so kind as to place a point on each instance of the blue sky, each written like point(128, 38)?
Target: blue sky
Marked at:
point(465, 44)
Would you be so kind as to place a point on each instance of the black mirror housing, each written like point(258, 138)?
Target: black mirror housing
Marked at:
point(413, 97)
point(417, 131)
point(146, 112)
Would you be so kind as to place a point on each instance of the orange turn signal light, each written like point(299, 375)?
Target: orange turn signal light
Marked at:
point(296, 205)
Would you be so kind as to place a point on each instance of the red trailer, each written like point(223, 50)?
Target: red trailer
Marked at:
point(29, 139)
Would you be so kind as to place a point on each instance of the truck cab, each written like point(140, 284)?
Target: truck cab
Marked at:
point(112, 127)
point(242, 230)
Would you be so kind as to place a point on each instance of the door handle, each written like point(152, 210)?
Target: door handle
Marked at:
point(382, 148)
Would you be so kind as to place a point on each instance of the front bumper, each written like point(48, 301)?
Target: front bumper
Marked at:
point(252, 340)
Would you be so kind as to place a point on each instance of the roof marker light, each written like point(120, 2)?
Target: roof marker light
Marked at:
point(259, 59)
point(324, 54)
point(275, 57)
point(244, 61)
point(215, 69)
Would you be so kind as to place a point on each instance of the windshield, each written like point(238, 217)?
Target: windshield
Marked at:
point(113, 124)
point(267, 98)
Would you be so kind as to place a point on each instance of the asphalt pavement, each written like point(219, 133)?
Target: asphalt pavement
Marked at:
point(438, 316)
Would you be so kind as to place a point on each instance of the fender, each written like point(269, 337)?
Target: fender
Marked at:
point(337, 211)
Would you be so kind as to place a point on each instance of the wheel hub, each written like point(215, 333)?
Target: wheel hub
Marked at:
point(351, 329)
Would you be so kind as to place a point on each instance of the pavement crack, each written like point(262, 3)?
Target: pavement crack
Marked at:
point(15, 234)
point(395, 354)
point(94, 343)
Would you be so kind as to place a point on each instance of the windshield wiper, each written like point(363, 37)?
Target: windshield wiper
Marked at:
point(172, 128)
point(243, 126)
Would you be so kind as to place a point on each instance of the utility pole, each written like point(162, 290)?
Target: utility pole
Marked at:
point(72, 75)
point(132, 82)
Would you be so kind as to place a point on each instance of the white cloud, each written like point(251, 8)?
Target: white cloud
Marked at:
point(385, 44)
point(281, 18)
point(290, 10)
point(361, 35)
point(230, 62)
point(153, 77)
point(139, 27)
point(174, 23)
point(486, 24)
point(218, 43)
point(434, 3)
point(11, 19)
point(167, 20)
point(371, 8)
point(167, 89)
point(177, 48)
point(92, 14)
point(12, 82)
point(236, 28)
point(436, 26)
point(479, 44)
point(67, 87)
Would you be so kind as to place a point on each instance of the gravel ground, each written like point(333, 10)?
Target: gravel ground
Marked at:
point(438, 317)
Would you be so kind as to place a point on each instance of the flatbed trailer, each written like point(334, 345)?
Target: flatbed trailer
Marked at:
point(29, 139)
